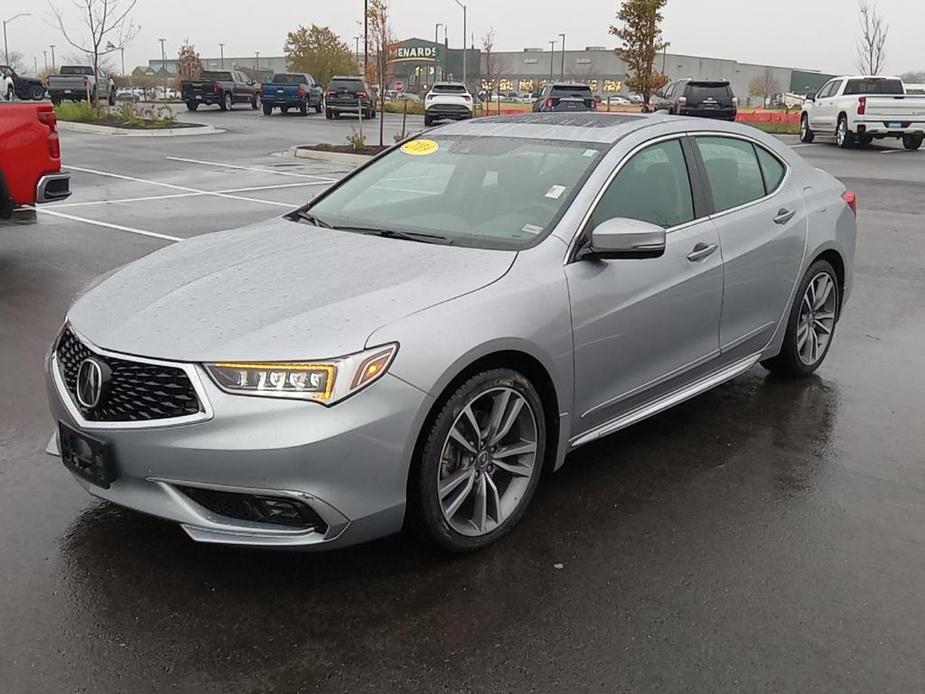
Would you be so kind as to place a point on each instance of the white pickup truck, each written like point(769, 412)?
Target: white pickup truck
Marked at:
point(862, 109)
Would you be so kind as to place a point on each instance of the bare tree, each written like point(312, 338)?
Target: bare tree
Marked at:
point(17, 62)
point(107, 21)
point(872, 42)
point(764, 85)
point(494, 66)
point(383, 44)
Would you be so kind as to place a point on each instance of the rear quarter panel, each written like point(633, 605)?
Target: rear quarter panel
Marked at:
point(24, 155)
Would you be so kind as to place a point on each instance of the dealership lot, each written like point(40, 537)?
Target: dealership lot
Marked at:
point(768, 536)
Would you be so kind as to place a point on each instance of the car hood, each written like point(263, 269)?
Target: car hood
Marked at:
point(275, 291)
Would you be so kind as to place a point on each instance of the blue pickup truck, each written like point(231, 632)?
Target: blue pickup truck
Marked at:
point(291, 90)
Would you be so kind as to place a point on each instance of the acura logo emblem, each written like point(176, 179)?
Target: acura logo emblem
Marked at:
point(89, 383)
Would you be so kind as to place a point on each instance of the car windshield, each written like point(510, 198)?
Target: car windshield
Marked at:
point(349, 85)
point(571, 91)
point(698, 91)
point(290, 79)
point(486, 192)
point(873, 86)
point(217, 76)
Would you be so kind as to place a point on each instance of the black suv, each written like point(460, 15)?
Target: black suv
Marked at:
point(348, 95)
point(700, 98)
point(564, 96)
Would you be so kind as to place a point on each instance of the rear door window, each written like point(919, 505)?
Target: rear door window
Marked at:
point(653, 186)
point(732, 170)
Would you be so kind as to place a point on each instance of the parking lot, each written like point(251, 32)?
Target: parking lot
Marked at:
point(768, 536)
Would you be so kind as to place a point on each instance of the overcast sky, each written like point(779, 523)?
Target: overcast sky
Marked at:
point(814, 34)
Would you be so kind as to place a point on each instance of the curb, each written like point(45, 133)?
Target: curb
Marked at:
point(332, 157)
point(92, 129)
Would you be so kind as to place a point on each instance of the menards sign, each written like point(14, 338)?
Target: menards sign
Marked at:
point(417, 53)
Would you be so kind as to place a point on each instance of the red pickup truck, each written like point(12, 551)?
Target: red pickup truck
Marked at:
point(30, 157)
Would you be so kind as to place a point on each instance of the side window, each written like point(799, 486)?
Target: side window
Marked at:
point(824, 92)
point(732, 170)
point(771, 168)
point(653, 186)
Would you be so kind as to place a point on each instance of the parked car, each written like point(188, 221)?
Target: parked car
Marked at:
point(421, 341)
point(74, 82)
point(698, 98)
point(127, 94)
point(291, 90)
point(635, 98)
point(863, 108)
point(564, 96)
point(25, 88)
point(348, 94)
point(7, 87)
point(223, 88)
point(447, 101)
point(30, 157)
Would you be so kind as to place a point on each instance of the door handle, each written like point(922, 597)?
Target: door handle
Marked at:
point(784, 216)
point(701, 251)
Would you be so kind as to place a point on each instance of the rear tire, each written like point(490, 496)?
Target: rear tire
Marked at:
point(303, 108)
point(37, 93)
point(329, 114)
point(912, 142)
point(801, 353)
point(192, 105)
point(267, 110)
point(317, 108)
point(843, 137)
point(428, 121)
point(227, 103)
point(806, 133)
point(488, 500)
point(255, 104)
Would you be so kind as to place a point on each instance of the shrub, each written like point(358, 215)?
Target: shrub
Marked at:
point(357, 140)
point(414, 107)
point(78, 111)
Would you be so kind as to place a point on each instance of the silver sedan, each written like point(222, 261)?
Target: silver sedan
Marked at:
point(422, 341)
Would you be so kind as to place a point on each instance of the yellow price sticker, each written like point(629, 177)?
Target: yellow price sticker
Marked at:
point(420, 148)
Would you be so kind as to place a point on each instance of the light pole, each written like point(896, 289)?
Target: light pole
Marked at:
point(256, 60)
point(163, 66)
point(113, 47)
point(357, 54)
point(35, 64)
point(52, 47)
point(365, 37)
point(221, 48)
point(45, 53)
point(6, 52)
point(436, 49)
point(552, 59)
point(562, 75)
point(464, 9)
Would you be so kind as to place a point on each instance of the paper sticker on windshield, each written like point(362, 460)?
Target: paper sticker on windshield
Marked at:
point(590, 153)
point(420, 148)
point(555, 192)
point(532, 229)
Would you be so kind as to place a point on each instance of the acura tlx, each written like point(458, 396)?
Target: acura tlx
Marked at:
point(421, 342)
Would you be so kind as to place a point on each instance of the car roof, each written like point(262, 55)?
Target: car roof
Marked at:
point(586, 126)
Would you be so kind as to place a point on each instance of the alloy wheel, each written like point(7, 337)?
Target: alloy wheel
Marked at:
point(817, 318)
point(487, 462)
point(842, 132)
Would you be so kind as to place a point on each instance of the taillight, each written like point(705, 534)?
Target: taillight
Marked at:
point(549, 103)
point(851, 200)
point(362, 95)
point(216, 88)
point(682, 100)
point(301, 90)
point(862, 105)
point(48, 118)
point(330, 94)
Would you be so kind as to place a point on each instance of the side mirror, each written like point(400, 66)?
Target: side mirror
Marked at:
point(620, 238)
point(811, 96)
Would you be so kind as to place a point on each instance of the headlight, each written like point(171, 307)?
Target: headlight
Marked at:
point(326, 382)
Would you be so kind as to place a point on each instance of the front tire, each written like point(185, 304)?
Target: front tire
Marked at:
point(428, 121)
point(481, 461)
point(268, 109)
point(810, 325)
point(806, 133)
point(328, 113)
point(843, 137)
point(912, 142)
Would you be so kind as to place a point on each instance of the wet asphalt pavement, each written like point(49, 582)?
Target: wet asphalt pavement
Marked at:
point(768, 536)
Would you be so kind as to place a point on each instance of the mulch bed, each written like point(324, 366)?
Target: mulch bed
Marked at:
point(369, 150)
point(116, 123)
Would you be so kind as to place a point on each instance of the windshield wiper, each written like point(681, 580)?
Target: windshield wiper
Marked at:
point(312, 219)
point(418, 236)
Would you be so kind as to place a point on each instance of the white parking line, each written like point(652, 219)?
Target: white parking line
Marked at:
point(107, 225)
point(894, 151)
point(251, 168)
point(172, 196)
point(183, 188)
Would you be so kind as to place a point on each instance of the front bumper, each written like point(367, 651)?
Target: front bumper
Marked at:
point(348, 463)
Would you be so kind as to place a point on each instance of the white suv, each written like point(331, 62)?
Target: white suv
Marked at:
point(447, 101)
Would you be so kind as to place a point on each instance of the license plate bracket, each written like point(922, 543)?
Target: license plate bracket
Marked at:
point(894, 124)
point(86, 456)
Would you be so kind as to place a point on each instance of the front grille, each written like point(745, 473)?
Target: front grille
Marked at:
point(133, 391)
point(255, 508)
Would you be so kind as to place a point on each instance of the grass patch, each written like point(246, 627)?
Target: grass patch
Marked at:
point(777, 128)
point(76, 111)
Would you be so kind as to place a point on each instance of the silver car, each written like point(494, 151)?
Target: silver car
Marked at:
point(424, 339)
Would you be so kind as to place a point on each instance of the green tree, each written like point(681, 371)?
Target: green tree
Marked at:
point(639, 28)
point(189, 64)
point(320, 52)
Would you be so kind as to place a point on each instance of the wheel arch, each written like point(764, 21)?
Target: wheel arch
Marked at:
point(834, 258)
